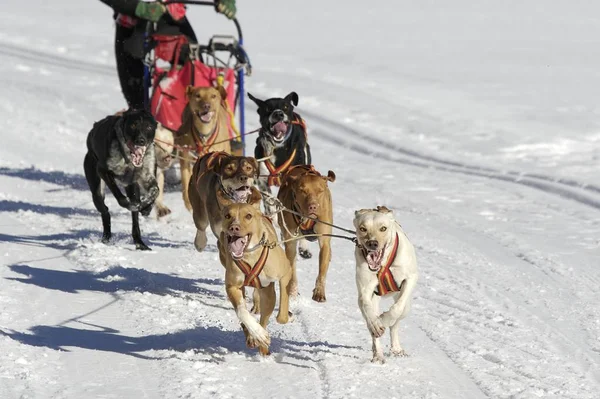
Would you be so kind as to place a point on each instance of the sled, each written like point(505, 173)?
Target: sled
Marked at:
point(172, 63)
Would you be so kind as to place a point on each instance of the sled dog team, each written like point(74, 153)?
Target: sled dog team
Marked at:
point(129, 151)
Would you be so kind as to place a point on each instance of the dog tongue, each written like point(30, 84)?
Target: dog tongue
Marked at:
point(137, 155)
point(241, 194)
point(207, 117)
point(279, 128)
point(373, 259)
point(236, 246)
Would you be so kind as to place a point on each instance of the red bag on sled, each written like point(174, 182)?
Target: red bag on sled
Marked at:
point(168, 95)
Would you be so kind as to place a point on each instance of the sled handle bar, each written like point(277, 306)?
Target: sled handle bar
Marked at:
point(208, 3)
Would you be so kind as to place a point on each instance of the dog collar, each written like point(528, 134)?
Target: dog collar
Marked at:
point(261, 243)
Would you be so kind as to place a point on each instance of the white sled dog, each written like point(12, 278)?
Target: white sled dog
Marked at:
point(386, 264)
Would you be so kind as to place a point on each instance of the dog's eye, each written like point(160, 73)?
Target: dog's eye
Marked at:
point(285, 107)
point(132, 126)
point(248, 216)
point(383, 228)
point(363, 229)
point(214, 96)
point(228, 216)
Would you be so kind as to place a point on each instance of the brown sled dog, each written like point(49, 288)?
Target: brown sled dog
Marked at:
point(252, 259)
point(203, 128)
point(218, 180)
point(305, 190)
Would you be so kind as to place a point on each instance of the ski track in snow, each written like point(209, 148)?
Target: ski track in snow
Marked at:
point(492, 314)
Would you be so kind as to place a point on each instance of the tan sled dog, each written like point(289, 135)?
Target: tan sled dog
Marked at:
point(163, 147)
point(386, 264)
point(203, 128)
point(219, 179)
point(251, 261)
point(305, 190)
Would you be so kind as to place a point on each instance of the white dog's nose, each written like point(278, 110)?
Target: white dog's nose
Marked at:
point(372, 245)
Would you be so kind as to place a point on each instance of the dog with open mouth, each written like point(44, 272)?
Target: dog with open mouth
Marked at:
point(121, 156)
point(386, 265)
point(305, 190)
point(203, 128)
point(247, 247)
point(219, 179)
point(282, 139)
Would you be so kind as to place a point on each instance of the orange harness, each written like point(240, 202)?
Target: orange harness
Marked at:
point(276, 172)
point(212, 157)
point(203, 146)
point(252, 272)
point(387, 283)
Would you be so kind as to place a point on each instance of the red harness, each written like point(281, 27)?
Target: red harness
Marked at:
point(202, 147)
point(252, 272)
point(275, 173)
point(385, 278)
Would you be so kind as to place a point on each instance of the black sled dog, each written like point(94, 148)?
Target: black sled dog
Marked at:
point(121, 155)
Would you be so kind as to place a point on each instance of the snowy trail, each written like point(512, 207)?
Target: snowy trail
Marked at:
point(507, 303)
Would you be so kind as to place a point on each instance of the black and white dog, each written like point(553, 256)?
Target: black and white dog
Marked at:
point(282, 138)
point(121, 154)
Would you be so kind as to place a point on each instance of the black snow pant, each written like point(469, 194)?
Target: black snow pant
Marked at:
point(131, 68)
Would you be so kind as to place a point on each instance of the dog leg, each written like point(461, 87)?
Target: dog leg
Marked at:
point(256, 333)
point(396, 348)
point(133, 192)
point(303, 249)
point(135, 232)
point(186, 174)
point(112, 185)
point(95, 184)
point(284, 299)
point(368, 303)
point(200, 217)
point(267, 304)
point(161, 208)
point(401, 307)
point(290, 253)
point(324, 260)
point(255, 302)
point(377, 349)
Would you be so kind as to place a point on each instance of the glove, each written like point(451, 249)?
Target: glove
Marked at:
point(226, 7)
point(150, 11)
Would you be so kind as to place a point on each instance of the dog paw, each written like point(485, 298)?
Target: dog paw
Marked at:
point(264, 350)
point(378, 359)
point(258, 338)
point(304, 253)
point(142, 247)
point(200, 241)
point(376, 327)
point(319, 294)
point(284, 318)
point(106, 238)
point(399, 352)
point(162, 211)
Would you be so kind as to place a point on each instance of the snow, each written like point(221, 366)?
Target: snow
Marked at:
point(476, 122)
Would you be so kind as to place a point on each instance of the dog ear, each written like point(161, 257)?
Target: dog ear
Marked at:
point(222, 92)
point(258, 102)
point(386, 211)
point(254, 163)
point(255, 198)
point(293, 97)
point(188, 91)
point(330, 176)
